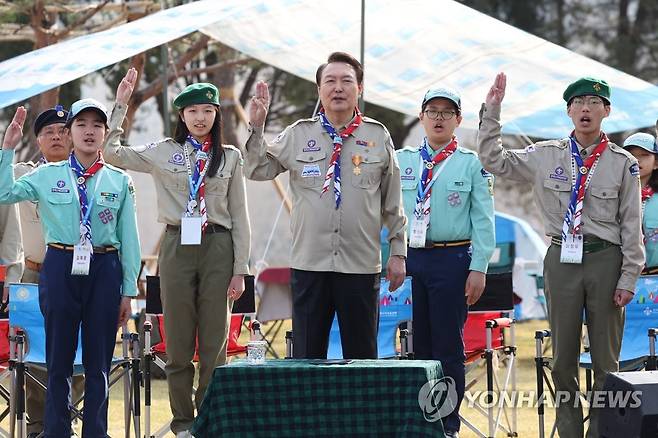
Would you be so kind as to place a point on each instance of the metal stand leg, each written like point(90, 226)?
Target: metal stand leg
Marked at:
point(21, 419)
point(136, 383)
point(488, 357)
point(148, 359)
point(539, 366)
point(126, 380)
point(651, 360)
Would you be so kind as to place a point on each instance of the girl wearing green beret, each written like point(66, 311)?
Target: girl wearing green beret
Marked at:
point(643, 147)
point(204, 255)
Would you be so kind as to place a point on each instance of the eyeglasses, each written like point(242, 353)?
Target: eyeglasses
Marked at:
point(589, 101)
point(445, 115)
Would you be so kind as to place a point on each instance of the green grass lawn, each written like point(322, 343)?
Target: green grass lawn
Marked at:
point(527, 425)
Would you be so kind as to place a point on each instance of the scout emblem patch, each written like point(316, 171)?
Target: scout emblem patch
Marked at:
point(634, 169)
point(558, 174)
point(311, 146)
point(177, 158)
point(407, 174)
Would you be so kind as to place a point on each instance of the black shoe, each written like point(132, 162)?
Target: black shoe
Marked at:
point(452, 434)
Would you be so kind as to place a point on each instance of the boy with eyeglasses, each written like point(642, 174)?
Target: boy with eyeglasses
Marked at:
point(448, 201)
point(588, 191)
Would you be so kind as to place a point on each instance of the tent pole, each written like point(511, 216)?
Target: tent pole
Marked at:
point(362, 102)
point(164, 54)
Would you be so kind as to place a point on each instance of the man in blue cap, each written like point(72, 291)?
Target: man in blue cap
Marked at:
point(448, 200)
point(588, 192)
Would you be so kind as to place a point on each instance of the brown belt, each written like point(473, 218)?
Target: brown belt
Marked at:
point(650, 270)
point(430, 244)
point(33, 266)
point(211, 228)
point(97, 249)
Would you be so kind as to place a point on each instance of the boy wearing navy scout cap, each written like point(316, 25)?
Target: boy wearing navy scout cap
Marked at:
point(587, 189)
point(644, 149)
point(448, 200)
point(204, 255)
point(345, 184)
point(89, 273)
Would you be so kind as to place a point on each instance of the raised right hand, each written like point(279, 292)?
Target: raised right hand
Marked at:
point(126, 86)
point(497, 91)
point(14, 131)
point(260, 103)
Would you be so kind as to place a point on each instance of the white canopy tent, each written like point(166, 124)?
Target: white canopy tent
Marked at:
point(410, 46)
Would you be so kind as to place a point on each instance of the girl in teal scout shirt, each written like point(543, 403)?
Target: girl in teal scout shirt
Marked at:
point(205, 251)
point(643, 147)
point(87, 211)
point(448, 200)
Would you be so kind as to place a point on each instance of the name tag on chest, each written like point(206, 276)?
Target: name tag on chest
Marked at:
point(572, 249)
point(417, 233)
point(81, 259)
point(190, 230)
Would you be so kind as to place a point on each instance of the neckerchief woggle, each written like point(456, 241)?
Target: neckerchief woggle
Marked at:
point(82, 176)
point(647, 192)
point(337, 138)
point(430, 175)
point(197, 179)
point(582, 172)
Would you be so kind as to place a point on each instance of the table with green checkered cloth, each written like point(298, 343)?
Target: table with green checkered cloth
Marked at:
point(295, 398)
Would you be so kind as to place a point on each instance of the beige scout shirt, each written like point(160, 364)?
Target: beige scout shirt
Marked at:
point(34, 244)
point(11, 248)
point(612, 208)
point(324, 238)
point(225, 193)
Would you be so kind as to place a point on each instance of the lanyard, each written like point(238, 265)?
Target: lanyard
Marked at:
point(194, 188)
point(99, 177)
point(423, 192)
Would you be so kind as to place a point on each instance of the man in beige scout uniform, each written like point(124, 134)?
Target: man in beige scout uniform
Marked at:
point(55, 145)
point(345, 183)
point(588, 191)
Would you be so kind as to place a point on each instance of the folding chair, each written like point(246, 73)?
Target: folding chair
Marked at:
point(275, 302)
point(28, 350)
point(395, 313)
point(635, 355)
point(5, 371)
point(487, 346)
point(156, 353)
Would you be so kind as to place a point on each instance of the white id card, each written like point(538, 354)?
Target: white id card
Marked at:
point(572, 249)
point(417, 233)
point(190, 230)
point(81, 258)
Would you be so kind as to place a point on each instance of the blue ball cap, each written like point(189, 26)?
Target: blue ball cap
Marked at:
point(86, 104)
point(642, 140)
point(445, 93)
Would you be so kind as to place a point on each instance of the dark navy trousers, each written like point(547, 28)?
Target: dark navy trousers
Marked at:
point(440, 311)
point(67, 302)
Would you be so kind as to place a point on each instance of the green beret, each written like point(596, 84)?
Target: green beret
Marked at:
point(587, 87)
point(198, 93)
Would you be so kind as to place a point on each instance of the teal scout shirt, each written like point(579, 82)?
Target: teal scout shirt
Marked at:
point(650, 227)
point(113, 219)
point(461, 205)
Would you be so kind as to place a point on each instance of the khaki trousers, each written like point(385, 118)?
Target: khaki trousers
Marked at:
point(194, 280)
point(570, 288)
